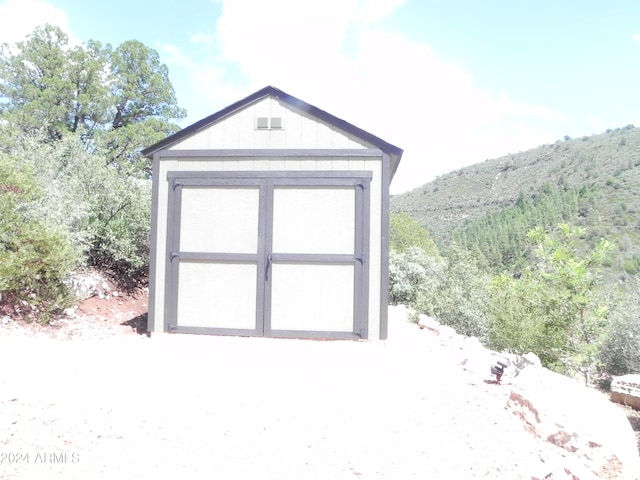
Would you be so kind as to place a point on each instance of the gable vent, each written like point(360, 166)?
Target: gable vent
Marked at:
point(276, 122)
point(269, 123)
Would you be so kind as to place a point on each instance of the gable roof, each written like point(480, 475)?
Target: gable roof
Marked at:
point(394, 152)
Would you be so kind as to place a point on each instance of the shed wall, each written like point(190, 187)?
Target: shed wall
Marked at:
point(214, 163)
point(298, 131)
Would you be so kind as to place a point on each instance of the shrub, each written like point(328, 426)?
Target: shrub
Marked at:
point(620, 352)
point(461, 300)
point(104, 207)
point(412, 274)
point(35, 256)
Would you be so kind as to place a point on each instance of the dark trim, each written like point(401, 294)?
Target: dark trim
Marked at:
point(172, 270)
point(366, 253)
point(153, 247)
point(384, 250)
point(236, 332)
point(268, 182)
point(172, 328)
point(312, 258)
point(195, 257)
point(284, 152)
point(172, 265)
point(268, 241)
point(290, 100)
point(280, 177)
point(313, 334)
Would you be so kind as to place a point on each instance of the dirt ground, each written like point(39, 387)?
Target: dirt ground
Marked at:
point(92, 396)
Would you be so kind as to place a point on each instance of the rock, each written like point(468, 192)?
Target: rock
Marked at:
point(475, 358)
point(428, 323)
point(82, 285)
point(445, 332)
point(577, 419)
point(520, 362)
point(69, 312)
point(626, 390)
point(6, 319)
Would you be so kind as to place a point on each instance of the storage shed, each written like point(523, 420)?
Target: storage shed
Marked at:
point(270, 218)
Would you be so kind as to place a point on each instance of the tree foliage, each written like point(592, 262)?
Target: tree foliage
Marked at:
point(73, 119)
point(405, 232)
point(553, 308)
point(461, 299)
point(621, 349)
point(413, 276)
point(92, 90)
point(35, 255)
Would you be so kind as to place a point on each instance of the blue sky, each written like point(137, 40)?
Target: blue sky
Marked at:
point(451, 82)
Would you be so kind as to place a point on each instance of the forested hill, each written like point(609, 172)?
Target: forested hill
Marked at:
point(589, 181)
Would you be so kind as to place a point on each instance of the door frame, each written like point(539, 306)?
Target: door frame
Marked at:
point(267, 181)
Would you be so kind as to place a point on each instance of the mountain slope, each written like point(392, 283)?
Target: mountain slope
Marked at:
point(591, 181)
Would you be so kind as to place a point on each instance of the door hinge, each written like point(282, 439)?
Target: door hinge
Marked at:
point(176, 184)
point(362, 185)
point(173, 255)
point(361, 258)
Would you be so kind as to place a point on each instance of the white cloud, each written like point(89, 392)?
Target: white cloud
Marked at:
point(597, 124)
point(18, 18)
point(333, 55)
point(371, 11)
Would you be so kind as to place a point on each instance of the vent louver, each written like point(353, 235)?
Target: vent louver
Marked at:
point(269, 123)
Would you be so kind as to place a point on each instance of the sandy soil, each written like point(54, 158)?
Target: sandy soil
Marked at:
point(92, 399)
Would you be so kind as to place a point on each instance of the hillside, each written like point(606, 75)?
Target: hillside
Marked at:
point(590, 181)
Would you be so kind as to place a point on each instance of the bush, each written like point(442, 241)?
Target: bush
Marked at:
point(553, 307)
point(412, 275)
point(35, 257)
point(620, 353)
point(461, 300)
point(452, 290)
point(104, 207)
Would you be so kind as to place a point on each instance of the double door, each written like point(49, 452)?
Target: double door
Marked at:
point(270, 254)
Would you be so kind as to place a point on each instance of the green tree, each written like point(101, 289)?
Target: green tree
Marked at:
point(553, 308)
point(405, 232)
point(77, 118)
point(118, 100)
point(144, 104)
point(36, 89)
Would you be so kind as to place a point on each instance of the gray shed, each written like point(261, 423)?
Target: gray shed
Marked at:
point(270, 218)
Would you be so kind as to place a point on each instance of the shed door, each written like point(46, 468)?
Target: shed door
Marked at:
point(274, 256)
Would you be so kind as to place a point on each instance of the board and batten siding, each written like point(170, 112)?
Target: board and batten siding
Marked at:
point(298, 131)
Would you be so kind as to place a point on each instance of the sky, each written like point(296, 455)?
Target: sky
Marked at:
point(451, 82)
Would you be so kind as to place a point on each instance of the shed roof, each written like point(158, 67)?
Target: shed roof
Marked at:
point(394, 152)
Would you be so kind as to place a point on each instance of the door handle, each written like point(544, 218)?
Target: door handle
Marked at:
point(269, 262)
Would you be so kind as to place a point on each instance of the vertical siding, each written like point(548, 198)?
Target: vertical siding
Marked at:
point(239, 131)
